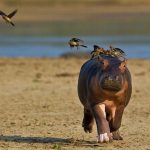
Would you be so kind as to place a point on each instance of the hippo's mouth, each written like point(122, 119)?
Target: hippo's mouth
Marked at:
point(111, 85)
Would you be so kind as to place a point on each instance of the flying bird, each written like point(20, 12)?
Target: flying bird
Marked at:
point(8, 17)
point(75, 42)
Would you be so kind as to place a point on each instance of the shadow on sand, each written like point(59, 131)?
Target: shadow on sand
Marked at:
point(33, 139)
point(51, 140)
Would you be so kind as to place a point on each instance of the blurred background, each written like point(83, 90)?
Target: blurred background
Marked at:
point(44, 27)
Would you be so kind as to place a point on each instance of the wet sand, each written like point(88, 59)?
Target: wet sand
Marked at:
point(40, 108)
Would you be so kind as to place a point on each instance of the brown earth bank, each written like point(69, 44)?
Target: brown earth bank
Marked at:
point(40, 109)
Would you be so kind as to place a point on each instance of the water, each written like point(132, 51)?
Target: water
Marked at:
point(50, 38)
point(135, 46)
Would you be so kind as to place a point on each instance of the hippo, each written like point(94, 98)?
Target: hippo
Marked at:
point(104, 89)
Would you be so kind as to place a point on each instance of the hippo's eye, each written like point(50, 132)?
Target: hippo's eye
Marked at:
point(104, 63)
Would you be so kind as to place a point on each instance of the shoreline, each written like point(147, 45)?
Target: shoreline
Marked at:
point(68, 57)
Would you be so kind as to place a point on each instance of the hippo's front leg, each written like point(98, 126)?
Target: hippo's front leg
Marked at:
point(101, 122)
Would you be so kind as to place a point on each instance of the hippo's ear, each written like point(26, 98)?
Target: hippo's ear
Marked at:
point(123, 65)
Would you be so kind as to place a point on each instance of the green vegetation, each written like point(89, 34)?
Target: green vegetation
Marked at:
point(103, 26)
point(56, 146)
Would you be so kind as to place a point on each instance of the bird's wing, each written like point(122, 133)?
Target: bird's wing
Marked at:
point(2, 13)
point(12, 13)
point(77, 40)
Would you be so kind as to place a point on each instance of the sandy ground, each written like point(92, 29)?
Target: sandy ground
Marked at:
point(40, 109)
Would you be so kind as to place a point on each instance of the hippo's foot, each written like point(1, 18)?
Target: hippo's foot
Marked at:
point(87, 124)
point(87, 128)
point(88, 121)
point(116, 135)
point(102, 138)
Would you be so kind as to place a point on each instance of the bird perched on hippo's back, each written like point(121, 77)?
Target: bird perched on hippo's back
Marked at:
point(97, 51)
point(75, 42)
point(116, 52)
point(8, 17)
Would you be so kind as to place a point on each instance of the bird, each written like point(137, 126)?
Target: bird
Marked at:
point(75, 42)
point(117, 52)
point(97, 51)
point(8, 17)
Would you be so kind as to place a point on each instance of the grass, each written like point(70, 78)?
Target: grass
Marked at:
point(102, 26)
point(56, 146)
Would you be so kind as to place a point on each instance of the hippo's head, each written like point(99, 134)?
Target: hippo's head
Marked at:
point(113, 70)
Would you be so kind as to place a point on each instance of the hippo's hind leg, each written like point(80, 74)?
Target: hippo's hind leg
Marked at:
point(115, 123)
point(88, 120)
